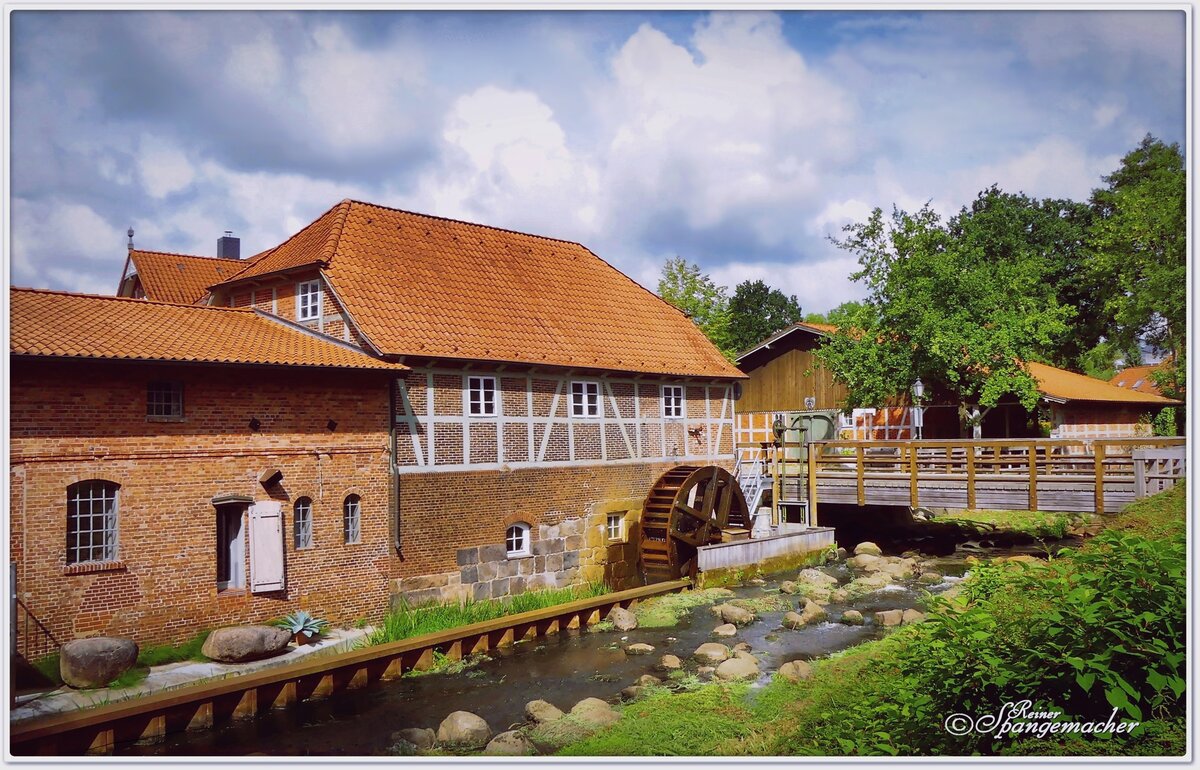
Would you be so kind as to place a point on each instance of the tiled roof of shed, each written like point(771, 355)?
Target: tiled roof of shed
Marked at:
point(1069, 386)
point(421, 285)
point(64, 325)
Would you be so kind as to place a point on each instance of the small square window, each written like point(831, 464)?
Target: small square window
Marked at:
point(672, 396)
point(308, 301)
point(585, 399)
point(164, 399)
point(616, 526)
point(481, 396)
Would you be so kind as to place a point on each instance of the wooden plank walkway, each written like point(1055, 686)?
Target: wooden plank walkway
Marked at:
point(1093, 476)
point(209, 704)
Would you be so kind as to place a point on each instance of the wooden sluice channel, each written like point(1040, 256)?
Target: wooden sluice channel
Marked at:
point(208, 704)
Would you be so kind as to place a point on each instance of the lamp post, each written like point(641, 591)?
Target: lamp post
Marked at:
point(918, 391)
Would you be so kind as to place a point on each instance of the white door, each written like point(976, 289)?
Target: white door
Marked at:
point(266, 547)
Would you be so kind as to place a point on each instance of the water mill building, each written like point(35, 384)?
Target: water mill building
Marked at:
point(385, 406)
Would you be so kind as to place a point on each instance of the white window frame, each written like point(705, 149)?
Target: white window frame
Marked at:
point(107, 516)
point(587, 405)
point(676, 394)
point(474, 383)
point(304, 290)
point(616, 534)
point(519, 545)
point(164, 395)
point(352, 519)
point(302, 528)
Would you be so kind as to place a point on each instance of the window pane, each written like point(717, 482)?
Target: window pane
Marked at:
point(352, 517)
point(91, 522)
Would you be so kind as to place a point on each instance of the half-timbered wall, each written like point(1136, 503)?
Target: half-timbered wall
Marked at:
point(535, 427)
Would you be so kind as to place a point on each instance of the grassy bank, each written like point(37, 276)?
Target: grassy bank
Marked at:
point(408, 621)
point(1042, 525)
point(1095, 629)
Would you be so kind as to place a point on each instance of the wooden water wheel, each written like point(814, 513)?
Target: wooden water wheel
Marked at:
point(688, 507)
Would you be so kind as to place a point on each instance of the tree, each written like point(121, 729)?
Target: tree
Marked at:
point(684, 286)
point(757, 311)
point(961, 305)
point(835, 316)
point(1138, 247)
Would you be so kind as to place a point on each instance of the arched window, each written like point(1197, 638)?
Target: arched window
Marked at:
point(352, 518)
point(302, 523)
point(516, 540)
point(92, 521)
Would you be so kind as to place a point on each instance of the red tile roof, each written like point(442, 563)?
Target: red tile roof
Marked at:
point(420, 285)
point(64, 325)
point(1138, 378)
point(181, 279)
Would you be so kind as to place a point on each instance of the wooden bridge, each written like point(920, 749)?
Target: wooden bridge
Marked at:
point(1085, 475)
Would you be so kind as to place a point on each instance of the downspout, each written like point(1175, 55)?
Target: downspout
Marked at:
point(393, 469)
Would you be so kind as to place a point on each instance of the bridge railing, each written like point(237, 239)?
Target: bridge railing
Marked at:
point(1031, 462)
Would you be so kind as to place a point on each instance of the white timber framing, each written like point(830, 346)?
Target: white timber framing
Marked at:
point(631, 426)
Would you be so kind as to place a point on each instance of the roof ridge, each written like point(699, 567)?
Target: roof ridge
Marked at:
point(329, 250)
point(266, 254)
point(86, 295)
point(465, 222)
point(188, 256)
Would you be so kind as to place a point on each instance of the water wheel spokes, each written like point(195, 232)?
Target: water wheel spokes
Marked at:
point(688, 507)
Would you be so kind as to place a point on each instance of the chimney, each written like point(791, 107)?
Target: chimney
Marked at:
point(229, 247)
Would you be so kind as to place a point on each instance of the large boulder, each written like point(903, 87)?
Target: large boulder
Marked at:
point(670, 662)
point(816, 577)
point(727, 629)
point(792, 620)
point(737, 668)
point(789, 587)
point(889, 617)
point(639, 648)
point(419, 738)
point(462, 728)
point(852, 618)
point(795, 670)
point(594, 712)
point(867, 547)
point(539, 712)
point(237, 644)
point(509, 744)
point(729, 613)
point(899, 569)
point(911, 616)
point(648, 680)
point(812, 612)
point(622, 619)
point(95, 662)
point(711, 652)
point(931, 578)
point(863, 561)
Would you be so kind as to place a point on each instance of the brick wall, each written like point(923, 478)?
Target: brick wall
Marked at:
point(74, 421)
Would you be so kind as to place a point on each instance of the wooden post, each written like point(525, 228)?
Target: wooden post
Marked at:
point(913, 491)
point(862, 491)
point(1033, 501)
point(971, 476)
point(1098, 450)
point(812, 484)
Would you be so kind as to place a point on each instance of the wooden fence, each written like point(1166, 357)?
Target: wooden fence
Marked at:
point(1099, 475)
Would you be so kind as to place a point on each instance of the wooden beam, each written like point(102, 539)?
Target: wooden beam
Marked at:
point(858, 462)
point(1033, 476)
point(970, 477)
point(913, 489)
point(813, 454)
point(1099, 451)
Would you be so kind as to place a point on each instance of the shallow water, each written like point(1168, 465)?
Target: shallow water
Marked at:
point(563, 669)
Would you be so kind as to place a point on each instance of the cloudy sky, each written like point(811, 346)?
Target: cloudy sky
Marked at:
point(738, 140)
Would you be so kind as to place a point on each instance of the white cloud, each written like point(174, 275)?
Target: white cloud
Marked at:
point(50, 235)
point(164, 168)
point(1055, 167)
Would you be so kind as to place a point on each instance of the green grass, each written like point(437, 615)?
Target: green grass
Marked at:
point(162, 654)
point(665, 611)
point(1037, 524)
point(48, 667)
point(696, 723)
point(890, 695)
point(133, 676)
point(407, 621)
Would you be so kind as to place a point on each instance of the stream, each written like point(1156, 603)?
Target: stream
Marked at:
point(563, 669)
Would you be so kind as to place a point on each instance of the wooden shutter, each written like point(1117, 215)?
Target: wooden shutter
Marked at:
point(266, 547)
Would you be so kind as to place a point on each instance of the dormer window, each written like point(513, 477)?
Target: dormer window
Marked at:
point(308, 301)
